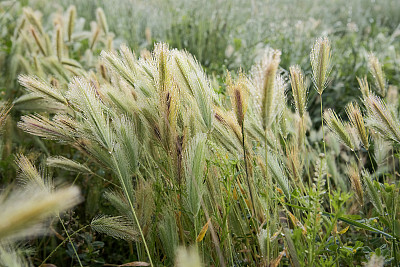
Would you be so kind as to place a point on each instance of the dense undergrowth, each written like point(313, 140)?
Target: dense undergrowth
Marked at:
point(291, 160)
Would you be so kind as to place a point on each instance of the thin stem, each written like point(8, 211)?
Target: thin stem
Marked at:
point(268, 191)
point(133, 210)
point(247, 173)
point(329, 230)
point(394, 227)
point(370, 159)
point(213, 235)
point(316, 203)
point(104, 179)
point(394, 206)
point(63, 242)
point(72, 244)
point(323, 142)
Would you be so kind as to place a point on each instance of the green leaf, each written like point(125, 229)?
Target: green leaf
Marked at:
point(349, 221)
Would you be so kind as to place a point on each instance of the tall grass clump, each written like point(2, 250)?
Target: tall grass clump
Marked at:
point(181, 161)
point(240, 177)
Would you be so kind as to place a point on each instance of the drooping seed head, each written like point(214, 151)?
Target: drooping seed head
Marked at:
point(381, 119)
point(354, 176)
point(38, 40)
point(339, 128)
point(356, 120)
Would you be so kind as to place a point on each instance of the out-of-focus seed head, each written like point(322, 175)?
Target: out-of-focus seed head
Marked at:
point(375, 68)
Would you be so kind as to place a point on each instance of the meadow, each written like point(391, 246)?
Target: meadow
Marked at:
point(199, 133)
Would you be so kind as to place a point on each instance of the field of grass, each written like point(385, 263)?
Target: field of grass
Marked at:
point(199, 133)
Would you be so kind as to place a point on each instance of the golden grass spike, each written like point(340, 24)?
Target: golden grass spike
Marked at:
point(203, 231)
point(275, 262)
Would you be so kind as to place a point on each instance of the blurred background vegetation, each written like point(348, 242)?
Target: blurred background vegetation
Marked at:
point(233, 34)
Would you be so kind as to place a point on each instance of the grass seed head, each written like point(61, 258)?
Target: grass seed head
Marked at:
point(59, 42)
point(372, 191)
point(321, 63)
point(71, 21)
point(357, 122)
point(364, 87)
point(375, 68)
point(339, 128)
point(239, 97)
point(269, 88)
point(299, 89)
point(381, 119)
point(355, 180)
point(101, 19)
